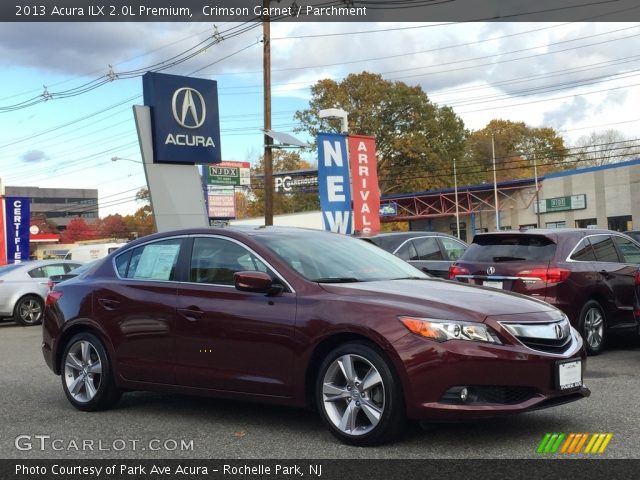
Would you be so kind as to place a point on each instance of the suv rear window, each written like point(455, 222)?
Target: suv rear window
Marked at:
point(510, 248)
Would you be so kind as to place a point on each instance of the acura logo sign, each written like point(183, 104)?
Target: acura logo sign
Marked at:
point(491, 270)
point(185, 110)
point(558, 329)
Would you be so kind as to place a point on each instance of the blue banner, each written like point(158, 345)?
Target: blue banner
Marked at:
point(17, 223)
point(333, 182)
point(184, 118)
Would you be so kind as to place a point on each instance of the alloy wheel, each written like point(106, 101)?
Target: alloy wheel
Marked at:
point(30, 311)
point(83, 371)
point(594, 328)
point(353, 394)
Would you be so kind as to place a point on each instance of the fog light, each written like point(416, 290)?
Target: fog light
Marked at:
point(464, 393)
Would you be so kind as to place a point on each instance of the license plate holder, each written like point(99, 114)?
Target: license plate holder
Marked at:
point(569, 374)
point(493, 284)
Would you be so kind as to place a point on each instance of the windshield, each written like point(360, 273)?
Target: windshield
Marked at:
point(510, 248)
point(333, 258)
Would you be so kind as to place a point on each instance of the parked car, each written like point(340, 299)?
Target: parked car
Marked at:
point(55, 279)
point(591, 275)
point(431, 252)
point(24, 286)
point(305, 318)
point(92, 251)
point(635, 234)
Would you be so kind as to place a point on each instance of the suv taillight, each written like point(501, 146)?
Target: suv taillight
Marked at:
point(53, 297)
point(638, 277)
point(548, 275)
point(455, 270)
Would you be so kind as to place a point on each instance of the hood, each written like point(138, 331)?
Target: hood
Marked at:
point(440, 299)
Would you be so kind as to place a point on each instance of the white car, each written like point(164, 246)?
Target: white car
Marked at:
point(24, 286)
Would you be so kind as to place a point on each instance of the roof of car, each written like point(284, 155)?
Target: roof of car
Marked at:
point(550, 231)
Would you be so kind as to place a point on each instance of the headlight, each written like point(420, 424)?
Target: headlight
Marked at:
point(443, 330)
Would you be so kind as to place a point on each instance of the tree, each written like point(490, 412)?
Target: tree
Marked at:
point(517, 146)
point(113, 226)
point(416, 140)
point(77, 230)
point(141, 223)
point(602, 148)
point(283, 161)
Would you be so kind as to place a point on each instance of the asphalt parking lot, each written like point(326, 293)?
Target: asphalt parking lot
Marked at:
point(150, 425)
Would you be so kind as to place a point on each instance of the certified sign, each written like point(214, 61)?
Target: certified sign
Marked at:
point(184, 118)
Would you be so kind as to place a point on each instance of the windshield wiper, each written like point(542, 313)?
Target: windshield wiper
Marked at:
point(411, 278)
point(335, 280)
point(508, 259)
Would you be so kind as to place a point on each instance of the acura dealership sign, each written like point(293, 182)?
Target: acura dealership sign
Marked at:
point(184, 117)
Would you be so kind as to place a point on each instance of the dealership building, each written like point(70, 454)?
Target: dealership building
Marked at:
point(606, 196)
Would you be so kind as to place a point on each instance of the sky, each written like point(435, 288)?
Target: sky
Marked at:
point(572, 76)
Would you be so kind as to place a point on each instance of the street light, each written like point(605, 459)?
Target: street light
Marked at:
point(115, 159)
point(336, 113)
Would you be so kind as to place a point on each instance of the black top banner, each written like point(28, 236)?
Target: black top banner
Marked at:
point(319, 10)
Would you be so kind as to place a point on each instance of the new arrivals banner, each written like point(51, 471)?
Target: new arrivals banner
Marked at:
point(364, 179)
point(333, 182)
point(17, 228)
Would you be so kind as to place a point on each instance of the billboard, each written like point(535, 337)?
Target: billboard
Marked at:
point(222, 201)
point(184, 118)
point(229, 173)
point(333, 182)
point(17, 222)
point(364, 180)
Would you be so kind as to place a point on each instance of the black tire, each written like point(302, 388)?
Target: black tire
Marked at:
point(87, 378)
point(28, 311)
point(593, 327)
point(381, 398)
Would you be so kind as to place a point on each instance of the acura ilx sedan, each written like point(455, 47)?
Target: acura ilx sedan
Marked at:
point(305, 318)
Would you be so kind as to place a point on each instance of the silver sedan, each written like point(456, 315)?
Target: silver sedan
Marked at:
point(24, 286)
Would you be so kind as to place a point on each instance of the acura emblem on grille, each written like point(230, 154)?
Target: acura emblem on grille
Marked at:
point(559, 333)
point(491, 270)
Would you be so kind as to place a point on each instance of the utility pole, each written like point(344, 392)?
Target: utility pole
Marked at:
point(455, 184)
point(495, 183)
point(268, 142)
point(535, 173)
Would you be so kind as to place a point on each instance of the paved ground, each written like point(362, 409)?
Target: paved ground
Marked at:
point(33, 404)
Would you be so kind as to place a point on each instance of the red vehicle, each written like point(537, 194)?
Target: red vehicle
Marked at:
point(591, 275)
point(305, 318)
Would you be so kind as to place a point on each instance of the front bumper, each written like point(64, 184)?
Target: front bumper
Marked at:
point(501, 379)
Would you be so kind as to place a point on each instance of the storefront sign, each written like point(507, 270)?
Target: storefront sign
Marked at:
point(561, 204)
point(364, 178)
point(229, 173)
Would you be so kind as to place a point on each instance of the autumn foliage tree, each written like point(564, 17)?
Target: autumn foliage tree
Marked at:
point(78, 230)
point(416, 140)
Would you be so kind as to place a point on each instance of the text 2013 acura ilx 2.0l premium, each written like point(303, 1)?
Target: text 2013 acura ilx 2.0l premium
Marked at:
point(305, 318)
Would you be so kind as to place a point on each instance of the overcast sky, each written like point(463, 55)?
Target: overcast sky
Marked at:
point(574, 77)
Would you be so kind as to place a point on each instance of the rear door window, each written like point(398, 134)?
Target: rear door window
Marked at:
point(604, 248)
point(453, 248)
point(630, 252)
point(428, 248)
point(510, 248)
point(407, 251)
point(154, 261)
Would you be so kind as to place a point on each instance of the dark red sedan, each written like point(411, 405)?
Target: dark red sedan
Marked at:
point(305, 318)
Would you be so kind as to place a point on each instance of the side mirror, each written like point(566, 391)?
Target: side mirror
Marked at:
point(260, 282)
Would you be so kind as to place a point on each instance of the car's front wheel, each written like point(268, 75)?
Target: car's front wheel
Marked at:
point(87, 377)
point(28, 311)
point(358, 396)
point(592, 327)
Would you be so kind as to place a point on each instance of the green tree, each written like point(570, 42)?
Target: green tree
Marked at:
point(283, 161)
point(416, 140)
point(517, 145)
point(141, 223)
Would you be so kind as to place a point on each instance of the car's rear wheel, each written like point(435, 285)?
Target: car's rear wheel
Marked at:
point(28, 311)
point(358, 396)
point(593, 325)
point(87, 378)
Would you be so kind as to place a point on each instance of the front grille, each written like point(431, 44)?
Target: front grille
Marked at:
point(552, 337)
point(489, 394)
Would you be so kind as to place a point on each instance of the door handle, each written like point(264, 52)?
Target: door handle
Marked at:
point(192, 313)
point(108, 303)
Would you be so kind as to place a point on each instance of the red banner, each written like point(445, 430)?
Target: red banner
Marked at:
point(3, 247)
point(364, 182)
